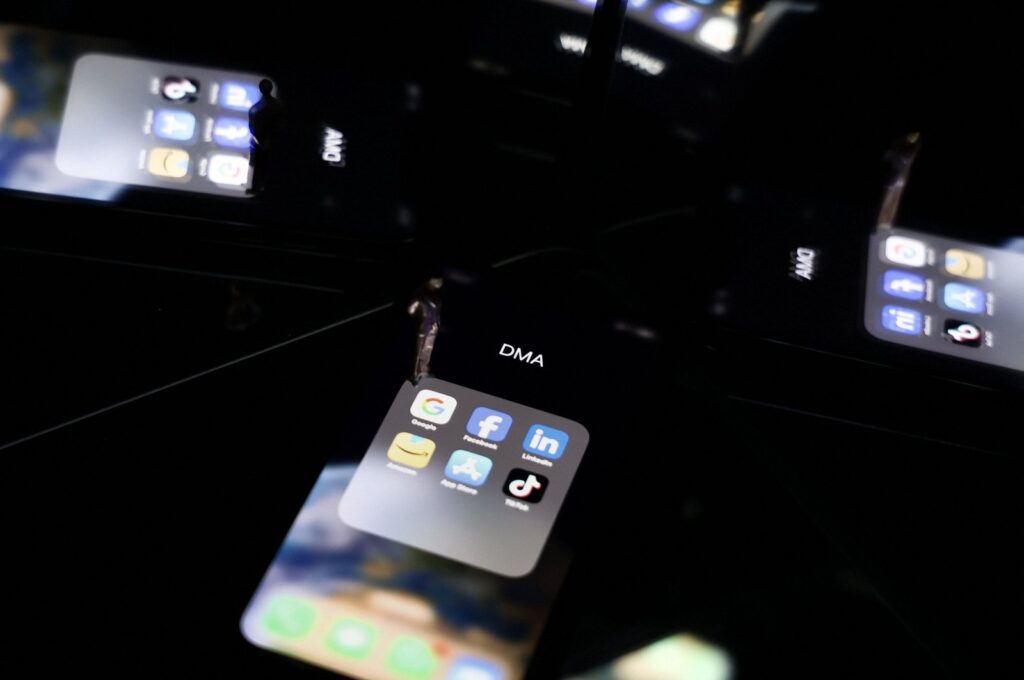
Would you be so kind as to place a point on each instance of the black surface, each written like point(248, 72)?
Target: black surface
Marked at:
point(780, 496)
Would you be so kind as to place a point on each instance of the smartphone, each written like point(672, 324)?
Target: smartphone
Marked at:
point(430, 557)
point(106, 121)
point(824, 304)
point(439, 548)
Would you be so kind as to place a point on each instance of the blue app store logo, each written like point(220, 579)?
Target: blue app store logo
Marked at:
point(177, 125)
point(964, 298)
point(468, 468)
point(546, 441)
point(489, 424)
point(904, 285)
point(231, 132)
point(902, 320)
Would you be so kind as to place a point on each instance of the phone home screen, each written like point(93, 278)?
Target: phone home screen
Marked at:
point(947, 296)
point(431, 558)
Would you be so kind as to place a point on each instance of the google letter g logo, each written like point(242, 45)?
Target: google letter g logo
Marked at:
point(433, 406)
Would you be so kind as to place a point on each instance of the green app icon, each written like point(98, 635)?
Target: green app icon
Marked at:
point(351, 638)
point(412, 658)
point(289, 617)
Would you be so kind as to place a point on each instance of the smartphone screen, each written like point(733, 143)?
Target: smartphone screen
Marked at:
point(158, 124)
point(103, 120)
point(947, 296)
point(431, 558)
point(78, 120)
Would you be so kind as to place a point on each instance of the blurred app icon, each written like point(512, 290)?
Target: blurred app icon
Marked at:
point(473, 668)
point(677, 17)
point(525, 485)
point(289, 617)
point(231, 132)
point(546, 441)
point(238, 96)
point(964, 298)
point(179, 89)
point(489, 424)
point(906, 251)
point(965, 264)
point(904, 285)
point(228, 169)
point(962, 333)
point(351, 638)
point(902, 320)
point(164, 162)
point(177, 125)
point(433, 406)
point(468, 468)
point(410, 449)
point(679, 657)
point(718, 33)
point(411, 657)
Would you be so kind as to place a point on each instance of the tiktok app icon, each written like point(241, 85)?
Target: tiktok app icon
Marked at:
point(526, 486)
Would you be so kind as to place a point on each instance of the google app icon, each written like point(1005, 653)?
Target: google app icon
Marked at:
point(433, 406)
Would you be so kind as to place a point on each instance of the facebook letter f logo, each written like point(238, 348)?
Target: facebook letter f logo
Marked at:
point(489, 424)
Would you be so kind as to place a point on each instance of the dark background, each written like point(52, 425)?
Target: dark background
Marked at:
point(822, 505)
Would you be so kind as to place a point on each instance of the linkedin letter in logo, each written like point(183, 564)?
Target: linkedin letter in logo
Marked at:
point(546, 441)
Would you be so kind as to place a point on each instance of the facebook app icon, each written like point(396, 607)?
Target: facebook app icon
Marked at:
point(489, 424)
point(231, 132)
point(904, 285)
point(546, 441)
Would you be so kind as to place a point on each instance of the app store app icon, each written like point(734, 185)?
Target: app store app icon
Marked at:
point(964, 298)
point(175, 125)
point(468, 468)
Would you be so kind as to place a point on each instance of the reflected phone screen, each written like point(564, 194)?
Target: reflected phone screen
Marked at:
point(947, 296)
point(158, 124)
point(431, 558)
point(78, 121)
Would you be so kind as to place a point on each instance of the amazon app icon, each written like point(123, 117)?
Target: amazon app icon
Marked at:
point(410, 449)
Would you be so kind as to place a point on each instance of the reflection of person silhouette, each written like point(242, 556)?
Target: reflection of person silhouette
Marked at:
point(265, 127)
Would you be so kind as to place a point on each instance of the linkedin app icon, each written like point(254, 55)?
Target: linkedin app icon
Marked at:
point(482, 488)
